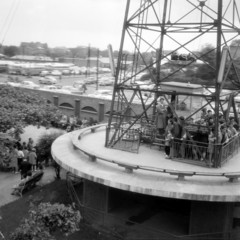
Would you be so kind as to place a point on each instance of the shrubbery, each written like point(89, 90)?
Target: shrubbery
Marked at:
point(45, 219)
point(18, 107)
point(45, 143)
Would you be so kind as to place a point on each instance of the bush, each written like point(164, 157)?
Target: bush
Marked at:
point(45, 219)
point(18, 107)
point(45, 143)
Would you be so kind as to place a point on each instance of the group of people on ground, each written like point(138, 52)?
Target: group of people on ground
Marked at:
point(196, 142)
point(16, 156)
point(72, 123)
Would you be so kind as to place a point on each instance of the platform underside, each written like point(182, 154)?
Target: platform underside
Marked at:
point(73, 155)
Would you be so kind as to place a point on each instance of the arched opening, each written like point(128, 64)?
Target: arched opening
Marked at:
point(66, 105)
point(89, 109)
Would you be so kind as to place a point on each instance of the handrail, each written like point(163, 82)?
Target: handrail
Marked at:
point(230, 175)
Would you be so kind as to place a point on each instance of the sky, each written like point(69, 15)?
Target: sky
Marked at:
point(74, 23)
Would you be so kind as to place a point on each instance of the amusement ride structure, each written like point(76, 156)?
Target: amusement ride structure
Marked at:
point(155, 25)
point(204, 201)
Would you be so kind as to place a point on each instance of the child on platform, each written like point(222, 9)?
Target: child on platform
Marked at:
point(167, 144)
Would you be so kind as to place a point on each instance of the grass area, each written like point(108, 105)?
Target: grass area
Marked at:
point(55, 192)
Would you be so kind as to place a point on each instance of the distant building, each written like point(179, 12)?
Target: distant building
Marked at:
point(32, 58)
point(33, 49)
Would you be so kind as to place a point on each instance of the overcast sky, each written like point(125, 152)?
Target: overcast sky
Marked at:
point(73, 23)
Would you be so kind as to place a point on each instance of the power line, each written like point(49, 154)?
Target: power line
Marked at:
point(11, 21)
point(7, 17)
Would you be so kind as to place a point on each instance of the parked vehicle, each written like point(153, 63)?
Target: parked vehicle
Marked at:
point(75, 72)
point(63, 91)
point(90, 80)
point(29, 84)
point(13, 84)
point(66, 72)
point(106, 82)
point(102, 93)
point(48, 80)
point(56, 73)
point(44, 73)
point(49, 88)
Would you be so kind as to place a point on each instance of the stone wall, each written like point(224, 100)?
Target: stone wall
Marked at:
point(82, 105)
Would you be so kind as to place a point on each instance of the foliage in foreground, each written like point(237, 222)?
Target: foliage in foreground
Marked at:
point(45, 219)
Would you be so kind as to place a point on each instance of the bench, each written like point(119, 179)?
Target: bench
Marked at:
point(29, 184)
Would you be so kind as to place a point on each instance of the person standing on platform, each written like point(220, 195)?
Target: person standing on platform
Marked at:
point(161, 116)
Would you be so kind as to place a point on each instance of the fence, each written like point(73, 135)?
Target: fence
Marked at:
point(128, 230)
point(202, 153)
point(229, 150)
point(232, 176)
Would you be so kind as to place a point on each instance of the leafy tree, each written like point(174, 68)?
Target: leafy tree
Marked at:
point(45, 143)
point(206, 71)
point(18, 107)
point(10, 51)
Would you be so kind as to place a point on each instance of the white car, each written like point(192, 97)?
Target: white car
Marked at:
point(13, 84)
point(56, 73)
point(106, 82)
point(102, 93)
point(48, 80)
point(75, 72)
point(29, 84)
point(44, 73)
point(50, 88)
point(63, 91)
point(66, 72)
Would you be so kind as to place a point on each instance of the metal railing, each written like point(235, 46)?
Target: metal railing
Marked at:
point(230, 149)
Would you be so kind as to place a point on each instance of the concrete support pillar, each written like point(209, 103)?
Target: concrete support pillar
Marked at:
point(55, 101)
point(77, 108)
point(95, 196)
point(101, 112)
point(210, 217)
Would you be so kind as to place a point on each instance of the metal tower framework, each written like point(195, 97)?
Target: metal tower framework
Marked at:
point(155, 26)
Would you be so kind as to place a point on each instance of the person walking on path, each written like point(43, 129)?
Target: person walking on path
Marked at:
point(25, 167)
point(33, 159)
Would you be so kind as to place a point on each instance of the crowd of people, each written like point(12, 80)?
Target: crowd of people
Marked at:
point(15, 155)
point(186, 138)
point(71, 123)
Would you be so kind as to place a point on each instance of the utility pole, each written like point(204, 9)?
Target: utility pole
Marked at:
point(97, 68)
point(88, 62)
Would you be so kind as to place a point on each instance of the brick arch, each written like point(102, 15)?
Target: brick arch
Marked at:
point(89, 109)
point(66, 105)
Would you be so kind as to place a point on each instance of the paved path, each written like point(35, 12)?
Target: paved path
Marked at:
point(9, 179)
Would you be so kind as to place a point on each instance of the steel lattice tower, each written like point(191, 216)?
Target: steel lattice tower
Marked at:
point(151, 27)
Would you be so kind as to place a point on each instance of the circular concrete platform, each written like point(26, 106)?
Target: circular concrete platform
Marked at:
point(152, 173)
